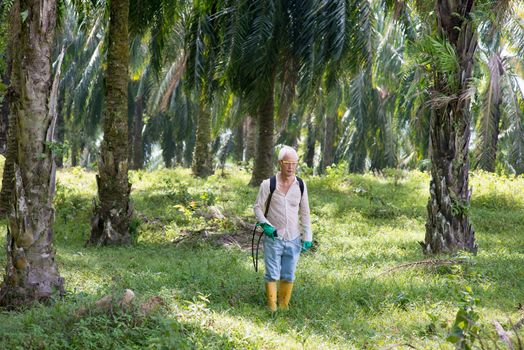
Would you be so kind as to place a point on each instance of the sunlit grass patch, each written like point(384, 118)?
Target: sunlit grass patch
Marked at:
point(349, 293)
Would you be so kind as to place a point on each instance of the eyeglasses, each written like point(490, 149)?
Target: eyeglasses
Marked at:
point(292, 164)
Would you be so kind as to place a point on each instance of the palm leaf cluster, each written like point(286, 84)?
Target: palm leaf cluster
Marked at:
point(348, 79)
point(499, 103)
point(81, 92)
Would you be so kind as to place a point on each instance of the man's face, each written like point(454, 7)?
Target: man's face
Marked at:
point(288, 165)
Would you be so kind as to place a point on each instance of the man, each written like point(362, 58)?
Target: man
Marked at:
point(283, 241)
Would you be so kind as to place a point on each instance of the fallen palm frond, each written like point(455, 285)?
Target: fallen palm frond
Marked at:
point(425, 263)
point(502, 334)
point(506, 336)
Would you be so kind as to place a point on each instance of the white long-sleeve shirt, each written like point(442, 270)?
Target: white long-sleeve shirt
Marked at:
point(284, 210)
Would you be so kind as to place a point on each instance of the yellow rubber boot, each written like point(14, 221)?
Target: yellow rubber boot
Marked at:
point(284, 294)
point(271, 294)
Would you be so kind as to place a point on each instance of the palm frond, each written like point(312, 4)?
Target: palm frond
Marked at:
point(156, 16)
point(139, 57)
point(146, 85)
point(169, 84)
point(95, 34)
point(181, 115)
point(352, 145)
point(93, 107)
point(195, 52)
point(438, 55)
point(514, 28)
point(253, 60)
point(90, 70)
point(515, 106)
point(488, 127)
point(288, 81)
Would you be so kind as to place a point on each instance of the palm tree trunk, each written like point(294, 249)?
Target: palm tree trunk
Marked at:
point(178, 158)
point(239, 143)
point(168, 146)
point(169, 161)
point(138, 125)
point(74, 152)
point(357, 163)
point(327, 144)
point(130, 124)
point(448, 228)
point(263, 167)
point(330, 125)
point(250, 140)
point(110, 223)
point(60, 130)
point(189, 146)
point(132, 88)
point(201, 166)
point(31, 272)
point(516, 154)
point(310, 143)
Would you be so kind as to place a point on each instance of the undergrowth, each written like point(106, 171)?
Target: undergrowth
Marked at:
point(191, 249)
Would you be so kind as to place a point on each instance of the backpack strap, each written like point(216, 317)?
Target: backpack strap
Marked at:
point(272, 184)
point(272, 187)
point(301, 185)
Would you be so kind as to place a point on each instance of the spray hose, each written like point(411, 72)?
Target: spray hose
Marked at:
point(254, 253)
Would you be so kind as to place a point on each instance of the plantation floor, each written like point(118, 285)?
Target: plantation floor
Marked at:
point(345, 296)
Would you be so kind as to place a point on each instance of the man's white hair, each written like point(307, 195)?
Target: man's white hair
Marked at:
point(287, 150)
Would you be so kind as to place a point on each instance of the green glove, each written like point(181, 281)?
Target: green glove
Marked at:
point(269, 230)
point(306, 245)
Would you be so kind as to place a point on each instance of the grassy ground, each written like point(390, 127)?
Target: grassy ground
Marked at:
point(346, 295)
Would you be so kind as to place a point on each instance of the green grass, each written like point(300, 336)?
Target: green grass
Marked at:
point(363, 225)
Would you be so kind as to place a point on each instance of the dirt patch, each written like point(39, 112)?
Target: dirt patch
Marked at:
point(241, 238)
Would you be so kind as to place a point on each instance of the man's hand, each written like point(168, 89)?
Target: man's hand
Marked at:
point(306, 245)
point(269, 230)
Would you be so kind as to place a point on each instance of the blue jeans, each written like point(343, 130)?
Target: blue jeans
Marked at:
point(280, 258)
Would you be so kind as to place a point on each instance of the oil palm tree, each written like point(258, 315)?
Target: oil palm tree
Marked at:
point(448, 50)
point(31, 272)
point(452, 47)
point(110, 223)
point(202, 49)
